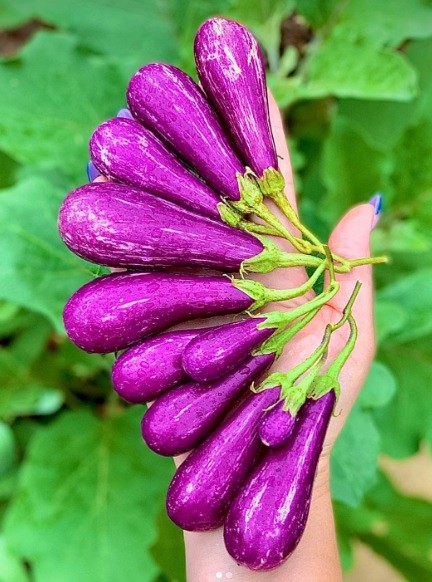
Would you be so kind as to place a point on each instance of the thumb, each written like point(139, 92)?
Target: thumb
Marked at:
point(351, 240)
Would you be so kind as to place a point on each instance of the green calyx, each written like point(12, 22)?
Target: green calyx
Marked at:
point(305, 380)
point(252, 191)
point(271, 257)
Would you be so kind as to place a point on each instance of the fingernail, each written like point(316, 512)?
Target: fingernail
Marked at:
point(92, 171)
point(125, 113)
point(377, 203)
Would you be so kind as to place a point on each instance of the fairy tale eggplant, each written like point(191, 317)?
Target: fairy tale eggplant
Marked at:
point(267, 518)
point(231, 70)
point(204, 486)
point(152, 367)
point(180, 419)
point(220, 350)
point(116, 311)
point(120, 226)
point(127, 152)
point(173, 106)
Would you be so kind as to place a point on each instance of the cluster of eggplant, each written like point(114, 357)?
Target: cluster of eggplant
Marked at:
point(186, 167)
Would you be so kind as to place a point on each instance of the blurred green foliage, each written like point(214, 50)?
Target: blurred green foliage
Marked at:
point(80, 497)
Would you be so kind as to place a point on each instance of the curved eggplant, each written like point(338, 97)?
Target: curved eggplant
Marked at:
point(267, 518)
point(204, 486)
point(220, 350)
point(127, 152)
point(120, 226)
point(115, 311)
point(231, 70)
point(276, 426)
point(152, 367)
point(172, 105)
point(180, 419)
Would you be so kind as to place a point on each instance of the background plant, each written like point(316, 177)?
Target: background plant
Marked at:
point(80, 497)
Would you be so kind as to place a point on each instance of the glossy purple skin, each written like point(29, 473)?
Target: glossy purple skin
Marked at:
point(276, 426)
point(127, 152)
point(152, 367)
point(115, 311)
point(221, 349)
point(231, 70)
point(120, 226)
point(203, 487)
point(179, 420)
point(172, 105)
point(267, 518)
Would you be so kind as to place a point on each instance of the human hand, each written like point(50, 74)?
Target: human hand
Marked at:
point(206, 554)
point(316, 557)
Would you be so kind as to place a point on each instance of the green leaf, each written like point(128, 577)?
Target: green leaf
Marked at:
point(37, 271)
point(168, 551)
point(395, 526)
point(351, 169)
point(8, 449)
point(52, 98)
point(354, 458)
point(11, 568)
point(390, 318)
point(348, 65)
point(184, 18)
point(389, 23)
point(379, 388)
point(381, 123)
point(407, 419)
point(317, 12)
point(135, 31)
point(87, 502)
point(413, 294)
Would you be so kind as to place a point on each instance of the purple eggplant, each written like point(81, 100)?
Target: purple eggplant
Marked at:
point(220, 350)
point(277, 426)
point(204, 486)
point(180, 419)
point(231, 70)
point(172, 105)
point(152, 367)
point(127, 152)
point(120, 226)
point(267, 518)
point(115, 311)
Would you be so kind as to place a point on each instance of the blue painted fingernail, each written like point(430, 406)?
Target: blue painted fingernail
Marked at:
point(125, 113)
point(377, 203)
point(92, 171)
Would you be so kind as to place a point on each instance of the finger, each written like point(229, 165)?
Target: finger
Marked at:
point(279, 135)
point(351, 239)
